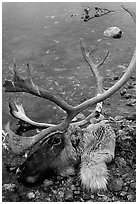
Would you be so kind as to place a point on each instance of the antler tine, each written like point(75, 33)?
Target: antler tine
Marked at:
point(27, 85)
point(132, 13)
point(18, 112)
point(94, 67)
point(99, 79)
point(103, 60)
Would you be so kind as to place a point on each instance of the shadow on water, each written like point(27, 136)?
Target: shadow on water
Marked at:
point(46, 36)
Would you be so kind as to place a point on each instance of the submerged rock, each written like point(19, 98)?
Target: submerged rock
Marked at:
point(113, 32)
point(31, 195)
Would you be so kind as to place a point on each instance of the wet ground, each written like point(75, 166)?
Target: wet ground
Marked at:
point(47, 36)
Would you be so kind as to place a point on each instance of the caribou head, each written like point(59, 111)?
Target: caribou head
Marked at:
point(58, 149)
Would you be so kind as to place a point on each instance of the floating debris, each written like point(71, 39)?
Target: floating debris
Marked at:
point(121, 66)
point(75, 14)
point(47, 52)
point(49, 16)
point(56, 58)
point(60, 69)
point(57, 41)
point(56, 22)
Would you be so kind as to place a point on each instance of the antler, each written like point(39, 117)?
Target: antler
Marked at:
point(18, 112)
point(17, 143)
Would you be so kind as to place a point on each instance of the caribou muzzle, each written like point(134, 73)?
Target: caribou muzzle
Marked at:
point(43, 163)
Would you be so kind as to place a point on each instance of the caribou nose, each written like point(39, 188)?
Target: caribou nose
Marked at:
point(32, 179)
point(29, 180)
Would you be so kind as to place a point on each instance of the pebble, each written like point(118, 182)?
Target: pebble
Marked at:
point(131, 116)
point(31, 195)
point(106, 198)
point(47, 183)
point(123, 193)
point(73, 187)
point(86, 197)
point(127, 96)
point(92, 196)
point(76, 192)
point(133, 77)
point(116, 184)
point(121, 133)
point(115, 199)
point(115, 77)
point(118, 118)
point(124, 91)
point(133, 185)
point(120, 161)
point(9, 187)
point(131, 102)
point(60, 193)
point(68, 195)
point(130, 85)
point(125, 175)
point(131, 197)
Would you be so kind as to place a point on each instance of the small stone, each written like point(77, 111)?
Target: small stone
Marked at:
point(114, 198)
point(133, 185)
point(123, 193)
point(131, 102)
point(123, 92)
point(86, 197)
point(133, 77)
point(73, 187)
point(130, 85)
point(106, 198)
point(114, 77)
point(121, 133)
point(131, 197)
point(116, 184)
point(47, 183)
point(60, 193)
point(9, 187)
point(68, 195)
point(118, 118)
point(127, 96)
point(131, 116)
point(76, 192)
point(31, 195)
point(92, 196)
point(120, 161)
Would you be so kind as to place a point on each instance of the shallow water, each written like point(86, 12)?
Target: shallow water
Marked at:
point(46, 36)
